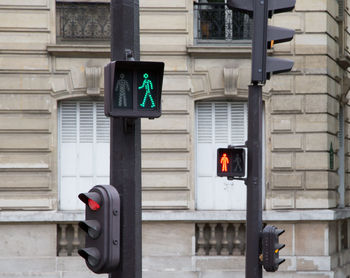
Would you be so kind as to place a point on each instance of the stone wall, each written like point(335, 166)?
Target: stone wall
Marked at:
point(301, 122)
point(304, 111)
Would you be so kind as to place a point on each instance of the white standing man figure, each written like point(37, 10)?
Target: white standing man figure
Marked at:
point(123, 87)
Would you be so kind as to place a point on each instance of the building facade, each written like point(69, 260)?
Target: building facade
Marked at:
point(54, 138)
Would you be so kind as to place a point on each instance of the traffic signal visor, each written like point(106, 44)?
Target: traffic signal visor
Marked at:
point(92, 199)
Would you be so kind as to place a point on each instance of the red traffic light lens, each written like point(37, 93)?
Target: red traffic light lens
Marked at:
point(93, 205)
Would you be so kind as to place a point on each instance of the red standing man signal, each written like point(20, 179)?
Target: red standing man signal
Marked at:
point(224, 161)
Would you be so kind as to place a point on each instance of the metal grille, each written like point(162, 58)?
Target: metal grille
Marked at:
point(215, 21)
point(83, 21)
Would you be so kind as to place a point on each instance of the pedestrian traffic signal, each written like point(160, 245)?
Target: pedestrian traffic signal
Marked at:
point(102, 227)
point(133, 89)
point(231, 162)
point(264, 36)
point(271, 248)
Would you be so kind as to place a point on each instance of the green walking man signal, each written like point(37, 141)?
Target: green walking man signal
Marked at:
point(148, 85)
point(133, 89)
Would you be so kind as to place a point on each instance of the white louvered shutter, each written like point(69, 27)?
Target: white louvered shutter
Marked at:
point(218, 124)
point(84, 150)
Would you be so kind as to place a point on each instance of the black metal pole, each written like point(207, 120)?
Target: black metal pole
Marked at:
point(253, 268)
point(125, 150)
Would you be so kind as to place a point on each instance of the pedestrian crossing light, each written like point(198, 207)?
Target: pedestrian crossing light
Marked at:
point(231, 162)
point(133, 89)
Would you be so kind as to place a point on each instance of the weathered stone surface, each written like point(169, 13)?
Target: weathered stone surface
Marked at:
point(311, 44)
point(287, 142)
point(25, 141)
point(312, 123)
point(170, 274)
point(282, 123)
point(167, 123)
point(21, 201)
point(161, 199)
point(32, 179)
point(179, 142)
point(287, 180)
point(312, 161)
point(316, 199)
point(321, 180)
point(283, 161)
point(321, 104)
point(175, 103)
point(168, 263)
point(280, 200)
point(207, 263)
point(29, 240)
point(308, 84)
point(25, 102)
point(23, 20)
point(157, 236)
point(281, 83)
point(311, 263)
point(287, 104)
point(169, 180)
point(317, 142)
point(169, 22)
point(311, 239)
point(164, 160)
point(166, 4)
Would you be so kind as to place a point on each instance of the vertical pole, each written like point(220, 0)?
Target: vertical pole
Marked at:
point(254, 182)
point(125, 149)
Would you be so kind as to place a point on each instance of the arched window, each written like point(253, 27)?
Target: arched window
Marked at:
point(83, 150)
point(218, 124)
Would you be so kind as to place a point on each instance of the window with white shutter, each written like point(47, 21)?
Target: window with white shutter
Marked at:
point(218, 124)
point(83, 150)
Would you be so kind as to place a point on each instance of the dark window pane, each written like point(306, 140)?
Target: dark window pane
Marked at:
point(215, 21)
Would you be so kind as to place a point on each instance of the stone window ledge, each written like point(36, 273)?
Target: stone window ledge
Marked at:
point(183, 216)
point(242, 51)
point(75, 50)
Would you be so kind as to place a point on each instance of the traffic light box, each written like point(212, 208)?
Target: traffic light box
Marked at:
point(102, 227)
point(271, 248)
point(231, 162)
point(133, 89)
point(264, 36)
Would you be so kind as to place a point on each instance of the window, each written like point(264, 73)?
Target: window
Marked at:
point(218, 124)
point(79, 21)
point(215, 22)
point(83, 150)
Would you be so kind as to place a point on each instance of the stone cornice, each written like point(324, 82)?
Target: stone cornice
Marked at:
point(227, 50)
point(75, 50)
point(182, 216)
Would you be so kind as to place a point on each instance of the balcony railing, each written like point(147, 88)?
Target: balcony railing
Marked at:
point(220, 239)
point(83, 21)
point(216, 22)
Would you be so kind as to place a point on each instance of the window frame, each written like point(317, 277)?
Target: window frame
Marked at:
point(195, 148)
point(97, 113)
